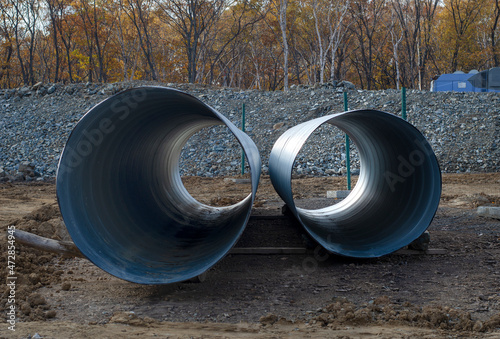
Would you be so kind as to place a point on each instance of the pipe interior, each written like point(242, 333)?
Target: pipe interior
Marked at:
point(397, 192)
point(124, 203)
point(226, 159)
point(310, 148)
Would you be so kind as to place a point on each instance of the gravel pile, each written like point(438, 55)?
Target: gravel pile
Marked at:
point(463, 128)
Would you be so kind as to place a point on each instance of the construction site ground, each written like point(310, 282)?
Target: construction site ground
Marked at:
point(452, 294)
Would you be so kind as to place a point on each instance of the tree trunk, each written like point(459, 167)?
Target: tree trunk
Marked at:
point(282, 11)
point(54, 36)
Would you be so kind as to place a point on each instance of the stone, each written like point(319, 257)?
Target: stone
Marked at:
point(421, 243)
point(17, 177)
point(41, 91)
point(278, 125)
point(109, 89)
point(27, 168)
point(346, 84)
point(489, 212)
point(330, 171)
point(24, 91)
point(36, 86)
point(36, 300)
point(51, 89)
point(337, 194)
point(237, 181)
point(268, 319)
point(51, 314)
point(35, 128)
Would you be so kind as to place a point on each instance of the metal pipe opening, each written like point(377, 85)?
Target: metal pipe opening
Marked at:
point(395, 198)
point(121, 194)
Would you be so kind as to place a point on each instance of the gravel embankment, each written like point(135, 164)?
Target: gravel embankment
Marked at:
point(463, 128)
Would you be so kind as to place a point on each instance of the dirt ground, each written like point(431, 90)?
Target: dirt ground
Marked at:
point(455, 294)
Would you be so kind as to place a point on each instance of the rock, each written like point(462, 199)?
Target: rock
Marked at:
point(50, 314)
point(2, 172)
point(35, 128)
point(24, 91)
point(278, 125)
point(66, 286)
point(346, 84)
point(421, 243)
point(36, 300)
point(330, 171)
point(27, 169)
point(489, 211)
point(268, 319)
point(51, 89)
point(478, 326)
point(41, 91)
point(25, 308)
point(130, 318)
point(16, 177)
point(109, 89)
point(34, 278)
point(36, 86)
point(337, 194)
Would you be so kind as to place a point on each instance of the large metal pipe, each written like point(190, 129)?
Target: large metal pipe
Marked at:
point(395, 198)
point(121, 194)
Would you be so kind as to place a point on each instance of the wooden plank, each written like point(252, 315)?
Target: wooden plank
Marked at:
point(268, 250)
point(268, 217)
point(430, 251)
point(300, 250)
point(69, 249)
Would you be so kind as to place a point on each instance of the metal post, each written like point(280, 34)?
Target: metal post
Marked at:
point(243, 129)
point(347, 147)
point(403, 103)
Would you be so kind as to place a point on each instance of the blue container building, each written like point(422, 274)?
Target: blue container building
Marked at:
point(474, 81)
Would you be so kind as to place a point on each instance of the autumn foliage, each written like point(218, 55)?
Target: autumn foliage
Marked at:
point(263, 44)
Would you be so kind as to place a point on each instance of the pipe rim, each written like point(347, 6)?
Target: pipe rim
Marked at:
point(135, 107)
point(329, 226)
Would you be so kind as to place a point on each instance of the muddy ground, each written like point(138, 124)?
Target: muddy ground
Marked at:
point(453, 294)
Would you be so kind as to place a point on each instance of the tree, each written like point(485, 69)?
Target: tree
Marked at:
point(283, 4)
point(396, 38)
point(53, 15)
point(191, 19)
point(65, 28)
point(7, 41)
point(461, 16)
point(232, 32)
point(493, 27)
point(140, 13)
point(24, 18)
point(367, 19)
point(428, 36)
point(408, 15)
point(330, 29)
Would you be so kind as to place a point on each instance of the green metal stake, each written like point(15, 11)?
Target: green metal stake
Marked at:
point(403, 103)
point(347, 147)
point(243, 129)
